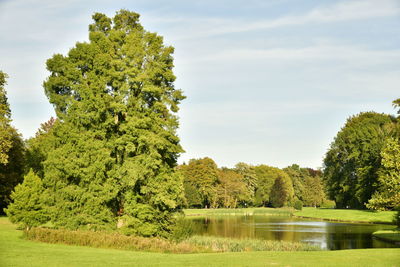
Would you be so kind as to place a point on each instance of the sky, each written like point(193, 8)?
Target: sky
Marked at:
point(267, 82)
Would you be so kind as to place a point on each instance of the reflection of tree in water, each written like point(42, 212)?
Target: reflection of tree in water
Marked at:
point(326, 234)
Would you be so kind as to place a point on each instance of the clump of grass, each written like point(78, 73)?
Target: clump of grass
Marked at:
point(110, 240)
point(220, 244)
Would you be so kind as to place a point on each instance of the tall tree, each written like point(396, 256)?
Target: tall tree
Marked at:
point(11, 149)
point(115, 146)
point(353, 160)
point(202, 176)
point(249, 177)
point(282, 192)
point(232, 188)
point(266, 177)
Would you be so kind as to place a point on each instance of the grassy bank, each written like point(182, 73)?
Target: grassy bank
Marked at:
point(365, 216)
point(195, 244)
point(388, 235)
point(15, 251)
point(242, 211)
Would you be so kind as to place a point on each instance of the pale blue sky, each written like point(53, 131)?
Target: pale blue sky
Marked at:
point(266, 81)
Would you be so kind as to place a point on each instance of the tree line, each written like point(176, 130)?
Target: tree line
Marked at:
point(245, 185)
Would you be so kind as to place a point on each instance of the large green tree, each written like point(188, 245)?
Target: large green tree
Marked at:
point(115, 146)
point(11, 149)
point(282, 192)
point(266, 177)
point(353, 159)
point(232, 188)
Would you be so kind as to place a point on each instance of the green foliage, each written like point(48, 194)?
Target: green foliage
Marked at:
point(182, 230)
point(314, 192)
point(200, 177)
point(111, 156)
point(388, 194)
point(231, 189)
point(221, 244)
point(353, 160)
point(27, 207)
point(39, 146)
point(11, 149)
point(249, 177)
point(282, 192)
point(266, 177)
point(6, 131)
point(11, 173)
point(298, 204)
point(328, 204)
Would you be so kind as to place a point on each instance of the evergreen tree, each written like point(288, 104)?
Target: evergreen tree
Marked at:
point(266, 177)
point(27, 207)
point(115, 146)
point(282, 192)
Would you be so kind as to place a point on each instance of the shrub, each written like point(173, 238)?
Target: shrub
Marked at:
point(298, 204)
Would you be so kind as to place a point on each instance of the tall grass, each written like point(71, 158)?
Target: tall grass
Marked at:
point(110, 240)
point(221, 244)
point(194, 244)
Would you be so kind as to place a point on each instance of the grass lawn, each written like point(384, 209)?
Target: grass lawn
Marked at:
point(15, 251)
point(348, 215)
point(391, 235)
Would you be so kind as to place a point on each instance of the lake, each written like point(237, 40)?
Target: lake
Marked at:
point(327, 235)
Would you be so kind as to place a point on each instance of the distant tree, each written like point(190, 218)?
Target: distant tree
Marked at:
point(11, 150)
point(388, 194)
point(266, 177)
point(282, 192)
point(201, 176)
point(353, 160)
point(396, 104)
point(27, 207)
point(250, 179)
point(232, 188)
point(115, 147)
point(314, 191)
point(298, 176)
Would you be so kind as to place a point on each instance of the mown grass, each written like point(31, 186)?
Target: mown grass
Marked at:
point(388, 235)
point(15, 251)
point(240, 211)
point(222, 244)
point(366, 216)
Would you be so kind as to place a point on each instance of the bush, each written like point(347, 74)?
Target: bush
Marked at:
point(298, 204)
point(328, 204)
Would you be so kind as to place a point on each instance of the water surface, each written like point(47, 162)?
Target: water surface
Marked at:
point(327, 235)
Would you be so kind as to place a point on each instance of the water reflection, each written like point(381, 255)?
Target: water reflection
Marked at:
point(327, 235)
